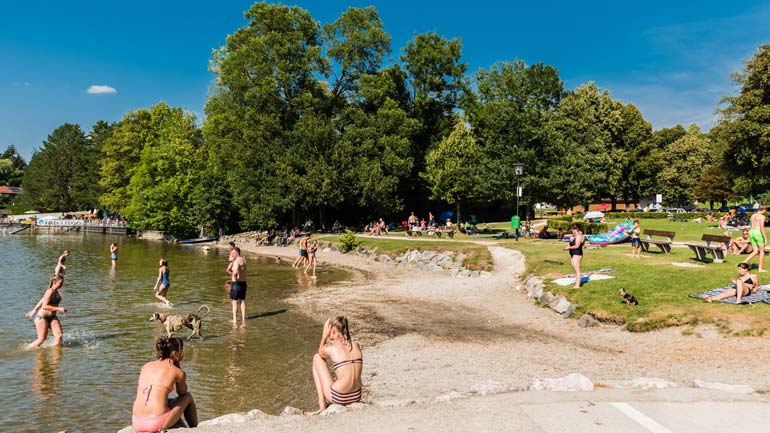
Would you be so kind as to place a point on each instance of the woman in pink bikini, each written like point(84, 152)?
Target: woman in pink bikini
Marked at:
point(153, 410)
point(347, 363)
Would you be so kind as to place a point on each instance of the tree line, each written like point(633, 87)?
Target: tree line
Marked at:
point(316, 121)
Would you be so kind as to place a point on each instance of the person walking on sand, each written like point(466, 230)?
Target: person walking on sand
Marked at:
point(114, 254)
point(302, 253)
point(44, 314)
point(575, 248)
point(347, 362)
point(312, 259)
point(162, 284)
point(238, 285)
point(153, 410)
point(758, 238)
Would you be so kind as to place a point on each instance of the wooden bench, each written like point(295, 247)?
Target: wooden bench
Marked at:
point(715, 246)
point(664, 246)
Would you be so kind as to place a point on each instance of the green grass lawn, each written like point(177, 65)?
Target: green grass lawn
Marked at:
point(660, 286)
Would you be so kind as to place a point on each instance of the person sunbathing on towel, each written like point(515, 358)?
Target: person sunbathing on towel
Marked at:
point(745, 285)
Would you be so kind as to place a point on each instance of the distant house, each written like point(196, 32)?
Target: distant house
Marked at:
point(4, 213)
point(10, 190)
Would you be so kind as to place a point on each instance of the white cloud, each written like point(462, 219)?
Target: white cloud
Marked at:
point(101, 89)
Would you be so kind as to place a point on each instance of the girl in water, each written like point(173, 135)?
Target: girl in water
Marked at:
point(746, 284)
point(575, 248)
point(45, 313)
point(114, 254)
point(347, 363)
point(162, 284)
point(153, 410)
point(312, 259)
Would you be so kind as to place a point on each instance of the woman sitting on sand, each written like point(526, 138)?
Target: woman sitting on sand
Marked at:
point(45, 313)
point(153, 410)
point(347, 363)
point(745, 285)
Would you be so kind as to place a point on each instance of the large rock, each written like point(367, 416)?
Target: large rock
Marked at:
point(724, 387)
point(426, 256)
point(534, 287)
point(289, 411)
point(435, 268)
point(327, 249)
point(560, 304)
point(383, 258)
point(333, 409)
point(412, 256)
point(443, 258)
point(570, 311)
point(546, 298)
point(587, 321)
point(356, 406)
point(572, 382)
point(639, 383)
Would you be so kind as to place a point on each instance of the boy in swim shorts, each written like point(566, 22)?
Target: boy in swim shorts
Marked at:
point(757, 237)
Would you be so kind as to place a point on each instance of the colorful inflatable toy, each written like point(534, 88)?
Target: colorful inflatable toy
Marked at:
point(620, 233)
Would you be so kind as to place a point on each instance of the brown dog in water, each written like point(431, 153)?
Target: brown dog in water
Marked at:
point(175, 322)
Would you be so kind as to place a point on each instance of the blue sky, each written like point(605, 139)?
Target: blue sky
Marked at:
point(671, 59)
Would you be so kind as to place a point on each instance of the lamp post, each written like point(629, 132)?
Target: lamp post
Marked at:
point(518, 170)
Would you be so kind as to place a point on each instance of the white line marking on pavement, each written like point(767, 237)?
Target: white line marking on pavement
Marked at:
point(641, 418)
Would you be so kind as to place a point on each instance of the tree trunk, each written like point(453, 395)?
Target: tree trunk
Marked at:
point(457, 215)
point(321, 217)
point(614, 202)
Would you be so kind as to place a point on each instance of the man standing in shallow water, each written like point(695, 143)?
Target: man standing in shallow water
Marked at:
point(758, 238)
point(237, 269)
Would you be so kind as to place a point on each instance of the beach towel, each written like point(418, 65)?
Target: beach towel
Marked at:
point(600, 271)
point(566, 281)
point(762, 295)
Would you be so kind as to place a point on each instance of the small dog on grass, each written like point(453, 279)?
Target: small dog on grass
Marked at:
point(175, 322)
point(627, 297)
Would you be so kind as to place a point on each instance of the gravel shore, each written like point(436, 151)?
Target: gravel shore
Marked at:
point(429, 338)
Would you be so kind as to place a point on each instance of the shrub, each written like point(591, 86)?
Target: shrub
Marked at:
point(588, 228)
point(348, 242)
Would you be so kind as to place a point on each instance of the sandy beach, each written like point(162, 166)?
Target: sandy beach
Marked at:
point(452, 346)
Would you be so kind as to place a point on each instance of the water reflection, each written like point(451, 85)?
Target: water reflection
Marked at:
point(46, 377)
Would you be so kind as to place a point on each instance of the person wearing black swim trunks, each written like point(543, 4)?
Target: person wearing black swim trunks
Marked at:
point(238, 286)
point(575, 249)
point(45, 313)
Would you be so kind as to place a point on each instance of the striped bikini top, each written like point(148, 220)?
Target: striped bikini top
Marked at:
point(337, 365)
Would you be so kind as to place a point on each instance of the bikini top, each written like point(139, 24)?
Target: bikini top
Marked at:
point(748, 281)
point(54, 299)
point(337, 365)
point(147, 388)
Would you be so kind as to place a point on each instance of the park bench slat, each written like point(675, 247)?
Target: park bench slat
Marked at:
point(664, 245)
point(702, 251)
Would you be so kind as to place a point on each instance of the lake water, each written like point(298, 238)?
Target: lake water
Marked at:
point(89, 385)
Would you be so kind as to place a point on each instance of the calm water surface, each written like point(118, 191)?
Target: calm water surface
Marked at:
point(89, 385)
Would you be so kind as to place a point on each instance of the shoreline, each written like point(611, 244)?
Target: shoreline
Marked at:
point(429, 339)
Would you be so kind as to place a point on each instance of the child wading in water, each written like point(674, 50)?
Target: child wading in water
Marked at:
point(163, 283)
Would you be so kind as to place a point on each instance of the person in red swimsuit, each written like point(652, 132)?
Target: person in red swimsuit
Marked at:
point(153, 409)
point(347, 363)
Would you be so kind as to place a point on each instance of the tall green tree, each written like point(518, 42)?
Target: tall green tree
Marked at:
point(161, 189)
point(682, 164)
point(450, 169)
point(62, 175)
point(512, 102)
point(12, 170)
point(266, 78)
point(745, 126)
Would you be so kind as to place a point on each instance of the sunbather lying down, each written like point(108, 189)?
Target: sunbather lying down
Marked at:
point(745, 285)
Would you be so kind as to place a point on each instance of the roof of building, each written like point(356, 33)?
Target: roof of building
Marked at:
point(5, 212)
point(13, 190)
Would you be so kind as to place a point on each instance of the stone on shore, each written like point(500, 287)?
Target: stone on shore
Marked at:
point(454, 395)
point(588, 321)
point(572, 382)
point(546, 298)
point(560, 304)
point(724, 387)
point(333, 409)
point(229, 419)
point(289, 411)
point(639, 383)
point(491, 387)
point(534, 287)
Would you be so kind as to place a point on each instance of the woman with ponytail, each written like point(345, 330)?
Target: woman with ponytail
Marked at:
point(45, 311)
point(347, 362)
point(153, 410)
